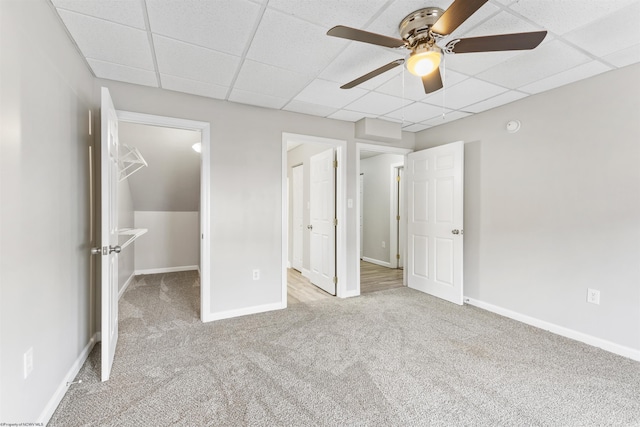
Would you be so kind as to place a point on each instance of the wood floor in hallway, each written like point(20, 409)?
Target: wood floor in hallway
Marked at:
point(373, 278)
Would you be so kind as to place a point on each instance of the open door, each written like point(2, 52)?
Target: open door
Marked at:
point(434, 184)
point(323, 221)
point(109, 231)
point(298, 217)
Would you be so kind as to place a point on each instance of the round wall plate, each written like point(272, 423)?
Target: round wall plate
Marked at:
point(513, 126)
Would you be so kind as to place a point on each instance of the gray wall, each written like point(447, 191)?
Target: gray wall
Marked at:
point(376, 202)
point(555, 209)
point(301, 155)
point(170, 242)
point(45, 296)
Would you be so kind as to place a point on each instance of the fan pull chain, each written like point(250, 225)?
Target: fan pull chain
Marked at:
point(402, 72)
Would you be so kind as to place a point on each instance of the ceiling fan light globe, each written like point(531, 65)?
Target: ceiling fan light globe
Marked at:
point(424, 61)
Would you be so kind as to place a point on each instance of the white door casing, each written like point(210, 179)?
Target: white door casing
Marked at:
point(434, 184)
point(298, 217)
point(322, 215)
point(109, 231)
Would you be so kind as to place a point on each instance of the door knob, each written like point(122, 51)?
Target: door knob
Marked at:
point(456, 231)
point(115, 249)
point(96, 251)
point(310, 227)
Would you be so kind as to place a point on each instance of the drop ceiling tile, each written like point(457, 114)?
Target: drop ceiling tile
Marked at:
point(269, 80)
point(259, 99)
point(532, 65)
point(323, 92)
point(465, 93)
point(122, 12)
point(193, 87)
point(417, 112)
point(193, 62)
point(436, 121)
point(108, 41)
point(359, 59)
point(349, 116)
point(291, 43)
point(564, 16)
point(307, 108)
point(625, 32)
point(404, 85)
point(416, 127)
point(475, 63)
point(496, 101)
point(329, 13)
point(377, 103)
point(223, 25)
point(624, 57)
point(111, 71)
point(574, 74)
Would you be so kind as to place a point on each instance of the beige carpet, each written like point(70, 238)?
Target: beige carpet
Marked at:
point(396, 358)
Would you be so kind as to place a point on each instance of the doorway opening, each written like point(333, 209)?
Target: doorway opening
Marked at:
point(182, 216)
point(380, 215)
point(314, 217)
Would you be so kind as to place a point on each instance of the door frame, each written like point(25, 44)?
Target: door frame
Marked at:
point(205, 192)
point(341, 209)
point(382, 149)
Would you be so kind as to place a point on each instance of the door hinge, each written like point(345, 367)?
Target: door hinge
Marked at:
point(335, 280)
point(398, 178)
point(398, 217)
point(398, 256)
point(335, 222)
point(335, 164)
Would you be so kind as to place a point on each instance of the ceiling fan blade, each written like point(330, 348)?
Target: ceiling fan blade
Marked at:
point(432, 82)
point(364, 36)
point(372, 74)
point(515, 41)
point(457, 13)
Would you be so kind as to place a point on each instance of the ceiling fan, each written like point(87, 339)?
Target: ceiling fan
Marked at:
point(421, 30)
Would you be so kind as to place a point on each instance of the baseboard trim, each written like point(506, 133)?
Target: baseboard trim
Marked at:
point(377, 262)
point(55, 400)
point(558, 330)
point(243, 311)
point(350, 294)
point(126, 285)
point(167, 269)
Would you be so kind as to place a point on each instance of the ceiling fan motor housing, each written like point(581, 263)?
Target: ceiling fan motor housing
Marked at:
point(415, 28)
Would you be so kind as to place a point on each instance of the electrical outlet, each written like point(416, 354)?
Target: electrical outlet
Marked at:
point(27, 360)
point(256, 274)
point(384, 244)
point(593, 296)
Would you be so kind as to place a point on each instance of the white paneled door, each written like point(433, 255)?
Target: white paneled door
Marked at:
point(298, 216)
point(434, 184)
point(322, 226)
point(109, 231)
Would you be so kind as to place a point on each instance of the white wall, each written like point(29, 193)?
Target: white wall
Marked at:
point(170, 244)
point(46, 302)
point(555, 209)
point(376, 205)
point(126, 258)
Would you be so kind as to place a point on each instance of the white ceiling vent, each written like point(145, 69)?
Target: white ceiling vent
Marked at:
point(378, 130)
